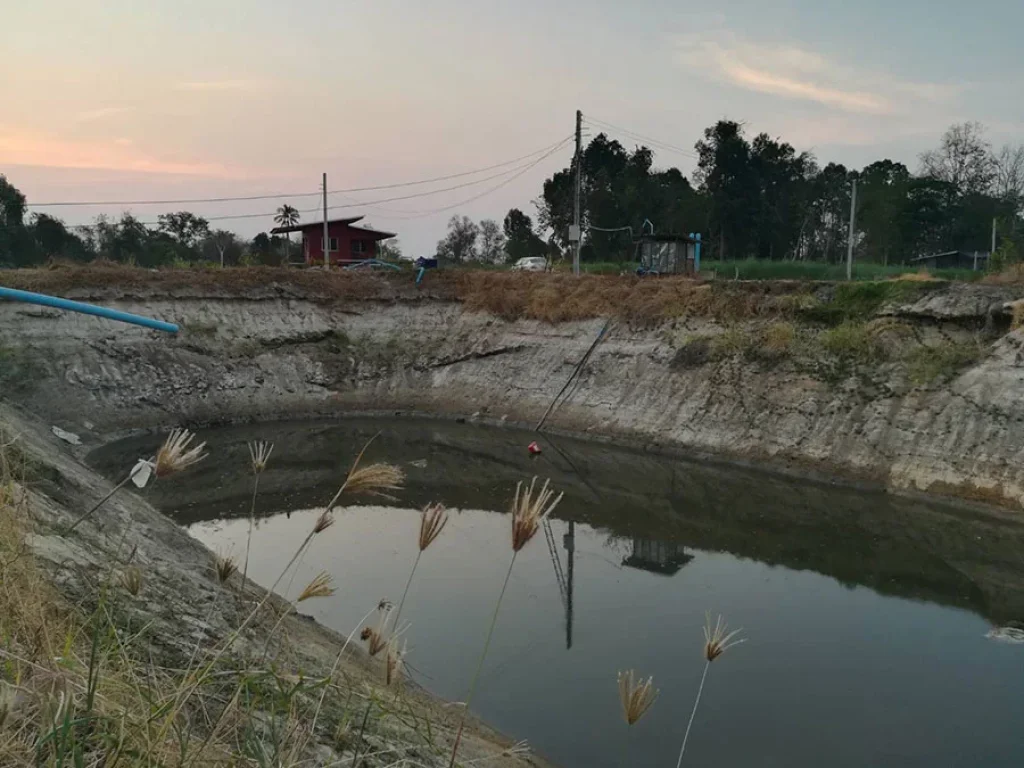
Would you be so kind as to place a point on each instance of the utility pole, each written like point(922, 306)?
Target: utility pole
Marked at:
point(327, 239)
point(579, 186)
point(849, 238)
point(569, 541)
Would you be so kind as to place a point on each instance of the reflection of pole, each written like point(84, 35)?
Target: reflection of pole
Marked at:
point(570, 548)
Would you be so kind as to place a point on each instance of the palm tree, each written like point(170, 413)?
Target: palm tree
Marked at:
point(287, 216)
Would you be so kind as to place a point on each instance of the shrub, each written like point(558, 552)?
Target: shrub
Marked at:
point(853, 341)
point(928, 363)
point(778, 338)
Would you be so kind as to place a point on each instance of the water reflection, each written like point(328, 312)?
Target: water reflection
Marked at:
point(664, 557)
point(899, 546)
point(859, 652)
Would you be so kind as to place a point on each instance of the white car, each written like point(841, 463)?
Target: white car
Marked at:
point(531, 264)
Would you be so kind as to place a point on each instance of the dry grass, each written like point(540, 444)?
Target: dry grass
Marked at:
point(550, 297)
point(1016, 314)
point(80, 687)
point(1012, 275)
point(639, 301)
point(920, 276)
point(636, 696)
point(778, 338)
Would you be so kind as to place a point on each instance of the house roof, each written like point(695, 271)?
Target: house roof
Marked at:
point(376, 233)
point(310, 224)
point(980, 255)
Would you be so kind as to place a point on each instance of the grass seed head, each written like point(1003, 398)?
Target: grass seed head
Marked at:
point(175, 455)
point(320, 586)
point(377, 637)
point(394, 662)
point(528, 511)
point(637, 696)
point(131, 580)
point(376, 479)
point(259, 454)
point(225, 566)
point(433, 519)
point(718, 639)
point(325, 521)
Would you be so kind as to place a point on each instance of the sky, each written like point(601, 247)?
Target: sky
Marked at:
point(169, 99)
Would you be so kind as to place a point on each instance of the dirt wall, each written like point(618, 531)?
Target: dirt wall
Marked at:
point(910, 386)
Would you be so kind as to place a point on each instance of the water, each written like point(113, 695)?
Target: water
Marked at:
point(866, 615)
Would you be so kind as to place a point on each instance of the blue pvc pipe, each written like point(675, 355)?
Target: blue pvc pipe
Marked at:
point(86, 309)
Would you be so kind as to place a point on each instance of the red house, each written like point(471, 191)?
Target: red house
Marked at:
point(348, 244)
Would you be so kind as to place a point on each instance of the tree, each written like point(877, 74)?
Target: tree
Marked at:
point(1008, 184)
point(52, 239)
point(224, 246)
point(265, 249)
point(390, 250)
point(492, 242)
point(13, 244)
point(882, 193)
point(287, 216)
point(520, 239)
point(963, 160)
point(781, 182)
point(186, 228)
point(725, 176)
point(459, 245)
point(129, 240)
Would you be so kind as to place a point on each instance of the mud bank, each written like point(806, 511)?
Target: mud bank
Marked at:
point(910, 386)
point(183, 615)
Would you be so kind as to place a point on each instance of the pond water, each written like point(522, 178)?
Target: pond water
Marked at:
point(866, 615)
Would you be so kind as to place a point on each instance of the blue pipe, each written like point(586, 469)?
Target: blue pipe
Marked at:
point(86, 309)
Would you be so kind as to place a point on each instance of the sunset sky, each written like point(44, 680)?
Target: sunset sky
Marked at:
point(125, 100)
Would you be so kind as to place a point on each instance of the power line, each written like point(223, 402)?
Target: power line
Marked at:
point(641, 137)
point(396, 185)
point(495, 188)
point(517, 172)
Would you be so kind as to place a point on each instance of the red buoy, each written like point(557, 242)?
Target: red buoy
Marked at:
point(533, 448)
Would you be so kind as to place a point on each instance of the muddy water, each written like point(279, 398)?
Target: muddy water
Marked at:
point(866, 616)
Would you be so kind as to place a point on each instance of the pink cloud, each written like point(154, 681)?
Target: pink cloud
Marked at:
point(33, 149)
point(805, 75)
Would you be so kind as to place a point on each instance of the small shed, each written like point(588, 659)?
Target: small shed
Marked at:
point(665, 558)
point(668, 254)
point(976, 260)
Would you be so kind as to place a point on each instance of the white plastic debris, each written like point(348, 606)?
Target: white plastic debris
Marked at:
point(419, 463)
point(141, 473)
point(67, 437)
point(1006, 635)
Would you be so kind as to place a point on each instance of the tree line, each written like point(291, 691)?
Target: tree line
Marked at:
point(749, 198)
point(761, 198)
point(179, 238)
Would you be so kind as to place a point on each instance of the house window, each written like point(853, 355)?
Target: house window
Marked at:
point(334, 243)
point(358, 247)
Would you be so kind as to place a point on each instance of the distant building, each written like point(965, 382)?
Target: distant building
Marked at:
point(348, 244)
point(977, 260)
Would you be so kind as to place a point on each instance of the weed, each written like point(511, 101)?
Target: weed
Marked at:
point(928, 363)
point(853, 341)
point(778, 338)
point(717, 640)
point(731, 342)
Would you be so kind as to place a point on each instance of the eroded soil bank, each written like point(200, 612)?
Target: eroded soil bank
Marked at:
point(908, 384)
point(181, 615)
